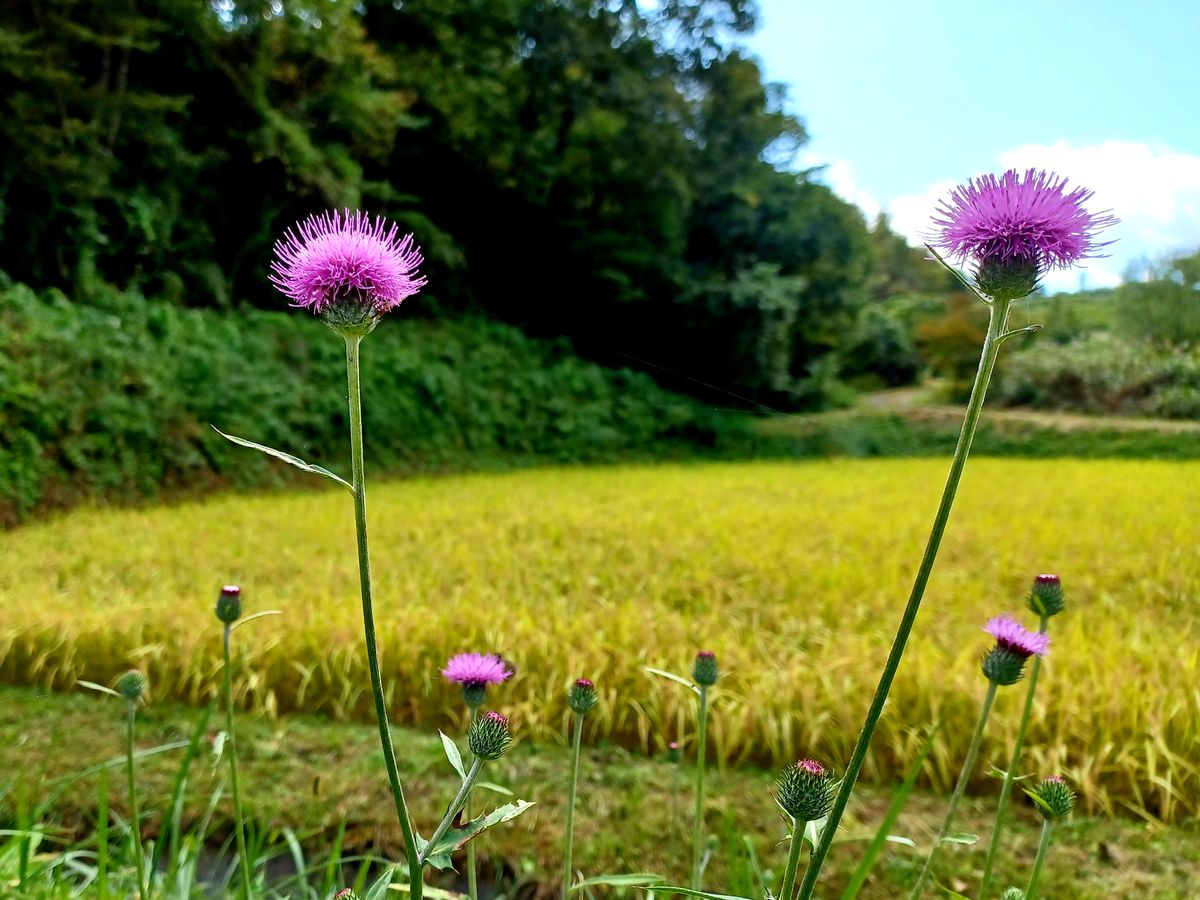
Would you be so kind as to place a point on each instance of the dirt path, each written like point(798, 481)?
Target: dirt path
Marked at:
point(911, 402)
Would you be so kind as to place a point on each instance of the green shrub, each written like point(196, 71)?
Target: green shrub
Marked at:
point(114, 400)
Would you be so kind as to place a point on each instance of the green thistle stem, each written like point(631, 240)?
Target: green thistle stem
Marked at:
point(998, 315)
point(959, 789)
point(1043, 846)
point(358, 479)
point(135, 817)
point(789, 874)
point(576, 741)
point(472, 881)
point(239, 820)
point(701, 759)
point(1035, 668)
point(456, 804)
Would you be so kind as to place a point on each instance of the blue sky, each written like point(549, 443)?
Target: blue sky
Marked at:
point(903, 100)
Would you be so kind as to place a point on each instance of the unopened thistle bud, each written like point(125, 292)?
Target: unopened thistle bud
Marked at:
point(805, 790)
point(489, 737)
point(132, 686)
point(229, 604)
point(1013, 893)
point(704, 670)
point(1054, 797)
point(345, 894)
point(582, 698)
point(1046, 598)
point(1004, 664)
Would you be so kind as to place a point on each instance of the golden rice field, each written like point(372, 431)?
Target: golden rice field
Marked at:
point(793, 573)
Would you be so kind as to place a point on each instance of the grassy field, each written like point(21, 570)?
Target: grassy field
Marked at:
point(307, 774)
point(794, 574)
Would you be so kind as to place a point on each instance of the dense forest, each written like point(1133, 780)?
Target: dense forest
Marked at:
point(605, 170)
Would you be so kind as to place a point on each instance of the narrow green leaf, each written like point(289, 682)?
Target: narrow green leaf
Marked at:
point(671, 676)
point(379, 889)
point(689, 892)
point(456, 838)
point(631, 879)
point(497, 788)
point(285, 457)
point(258, 615)
point(899, 799)
point(961, 838)
point(92, 686)
point(453, 754)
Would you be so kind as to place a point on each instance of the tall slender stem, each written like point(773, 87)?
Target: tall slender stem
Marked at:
point(358, 479)
point(1043, 846)
point(1035, 667)
point(472, 878)
point(135, 817)
point(998, 315)
point(239, 820)
point(789, 874)
point(576, 741)
point(455, 805)
point(701, 759)
point(963, 777)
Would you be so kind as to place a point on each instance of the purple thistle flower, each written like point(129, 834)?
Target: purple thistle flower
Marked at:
point(1010, 219)
point(346, 255)
point(1012, 636)
point(476, 670)
point(811, 766)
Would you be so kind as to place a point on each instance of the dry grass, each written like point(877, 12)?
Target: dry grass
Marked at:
point(793, 574)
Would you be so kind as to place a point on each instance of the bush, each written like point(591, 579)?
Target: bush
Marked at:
point(114, 400)
point(1103, 374)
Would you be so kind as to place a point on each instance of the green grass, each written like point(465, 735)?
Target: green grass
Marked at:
point(313, 775)
point(793, 574)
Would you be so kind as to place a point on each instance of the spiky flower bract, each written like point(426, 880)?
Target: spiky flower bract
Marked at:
point(1046, 598)
point(704, 669)
point(346, 266)
point(132, 686)
point(805, 790)
point(1053, 796)
point(489, 737)
point(582, 697)
point(1016, 228)
point(229, 604)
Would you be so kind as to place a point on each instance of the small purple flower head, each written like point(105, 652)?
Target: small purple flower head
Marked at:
point(346, 266)
point(229, 604)
point(582, 696)
point(804, 790)
point(1014, 637)
point(489, 736)
point(1016, 228)
point(704, 669)
point(1046, 599)
point(473, 672)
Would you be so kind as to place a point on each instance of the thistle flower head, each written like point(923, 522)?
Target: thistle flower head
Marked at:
point(1011, 635)
point(804, 790)
point(489, 737)
point(582, 697)
point(1015, 228)
point(1046, 598)
point(229, 604)
point(1053, 796)
point(474, 672)
point(1004, 664)
point(132, 685)
point(704, 670)
point(346, 267)
point(1013, 893)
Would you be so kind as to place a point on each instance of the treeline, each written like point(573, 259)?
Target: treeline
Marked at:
point(599, 169)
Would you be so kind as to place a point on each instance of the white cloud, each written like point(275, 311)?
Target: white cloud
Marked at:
point(840, 179)
point(1154, 191)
